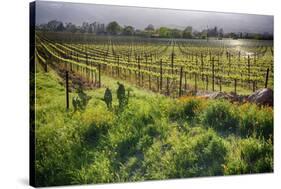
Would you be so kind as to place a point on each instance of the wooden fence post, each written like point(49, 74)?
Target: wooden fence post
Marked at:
point(99, 67)
point(161, 75)
point(180, 92)
point(172, 61)
point(195, 82)
point(213, 75)
point(239, 55)
point(118, 70)
point(185, 82)
point(149, 82)
point(266, 78)
point(249, 69)
point(207, 82)
point(235, 86)
point(139, 78)
point(46, 66)
point(67, 90)
point(167, 86)
point(220, 85)
point(202, 66)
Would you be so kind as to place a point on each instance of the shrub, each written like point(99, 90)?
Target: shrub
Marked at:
point(201, 155)
point(97, 172)
point(255, 156)
point(157, 162)
point(96, 121)
point(127, 147)
point(256, 121)
point(186, 109)
point(222, 116)
point(80, 102)
point(191, 108)
point(56, 154)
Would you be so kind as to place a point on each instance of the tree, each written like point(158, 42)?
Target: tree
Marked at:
point(85, 28)
point(128, 30)
point(150, 28)
point(220, 33)
point(176, 33)
point(55, 25)
point(187, 32)
point(213, 32)
point(70, 27)
point(164, 32)
point(113, 28)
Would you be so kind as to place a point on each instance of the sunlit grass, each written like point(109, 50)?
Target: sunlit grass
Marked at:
point(154, 137)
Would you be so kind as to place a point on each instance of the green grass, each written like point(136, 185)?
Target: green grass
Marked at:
point(154, 137)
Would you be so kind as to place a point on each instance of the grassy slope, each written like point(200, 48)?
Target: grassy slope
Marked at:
point(155, 137)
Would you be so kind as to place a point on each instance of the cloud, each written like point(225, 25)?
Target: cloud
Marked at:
point(141, 17)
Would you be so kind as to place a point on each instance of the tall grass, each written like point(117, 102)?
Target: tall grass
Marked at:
point(153, 137)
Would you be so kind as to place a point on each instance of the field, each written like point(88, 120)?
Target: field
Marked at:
point(157, 128)
point(170, 67)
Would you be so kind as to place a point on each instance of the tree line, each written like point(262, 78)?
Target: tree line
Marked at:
point(114, 28)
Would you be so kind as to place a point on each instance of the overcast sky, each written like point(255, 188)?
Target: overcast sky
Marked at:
point(140, 17)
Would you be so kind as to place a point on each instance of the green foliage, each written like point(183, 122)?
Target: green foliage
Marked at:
point(56, 154)
point(99, 171)
point(144, 141)
point(254, 156)
point(256, 121)
point(113, 28)
point(176, 33)
point(186, 110)
point(164, 32)
point(187, 32)
point(128, 30)
point(80, 102)
point(199, 153)
point(191, 108)
point(222, 116)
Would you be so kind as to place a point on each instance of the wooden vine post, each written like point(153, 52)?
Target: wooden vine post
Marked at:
point(202, 66)
point(180, 91)
point(167, 86)
point(67, 90)
point(185, 82)
point(220, 85)
point(266, 78)
point(161, 75)
point(149, 80)
point(213, 75)
point(86, 58)
point(46, 66)
point(172, 61)
point(249, 69)
point(99, 69)
point(207, 82)
point(118, 70)
point(139, 77)
point(235, 86)
point(239, 55)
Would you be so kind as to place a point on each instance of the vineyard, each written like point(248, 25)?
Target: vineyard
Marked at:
point(171, 67)
point(123, 109)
